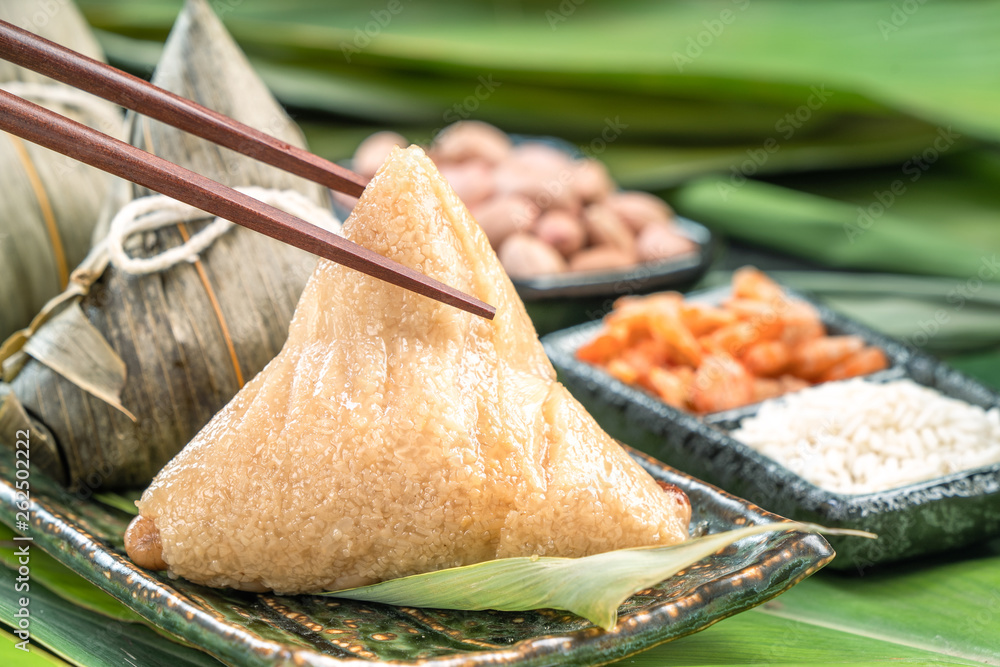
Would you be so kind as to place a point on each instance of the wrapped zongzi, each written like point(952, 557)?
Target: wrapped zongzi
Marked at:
point(49, 203)
point(176, 343)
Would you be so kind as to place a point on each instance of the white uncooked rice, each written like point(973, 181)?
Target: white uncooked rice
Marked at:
point(859, 437)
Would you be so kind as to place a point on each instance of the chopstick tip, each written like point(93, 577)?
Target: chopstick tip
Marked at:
point(489, 312)
point(473, 306)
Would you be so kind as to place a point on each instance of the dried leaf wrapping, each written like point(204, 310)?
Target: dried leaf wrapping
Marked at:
point(71, 346)
point(188, 336)
point(50, 203)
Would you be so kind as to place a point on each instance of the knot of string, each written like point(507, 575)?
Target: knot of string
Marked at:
point(154, 212)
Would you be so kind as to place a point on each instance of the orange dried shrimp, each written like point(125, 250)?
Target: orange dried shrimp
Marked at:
point(758, 344)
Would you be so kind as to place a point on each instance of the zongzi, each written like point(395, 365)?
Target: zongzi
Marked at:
point(49, 203)
point(176, 345)
point(394, 435)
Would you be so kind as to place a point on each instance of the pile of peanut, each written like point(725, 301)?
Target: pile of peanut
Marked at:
point(543, 211)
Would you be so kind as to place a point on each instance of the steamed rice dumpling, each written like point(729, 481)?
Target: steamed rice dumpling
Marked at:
point(395, 435)
point(177, 344)
point(49, 203)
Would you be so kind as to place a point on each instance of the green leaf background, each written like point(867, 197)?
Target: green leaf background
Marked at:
point(899, 72)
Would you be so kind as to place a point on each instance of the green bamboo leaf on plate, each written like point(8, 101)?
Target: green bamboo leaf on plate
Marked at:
point(592, 587)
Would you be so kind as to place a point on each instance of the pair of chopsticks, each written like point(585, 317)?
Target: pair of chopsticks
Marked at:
point(53, 131)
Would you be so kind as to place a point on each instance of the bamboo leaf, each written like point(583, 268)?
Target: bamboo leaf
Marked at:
point(592, 587)
point(937, 65)
point(759, 637)
point(65, 583)
point(984, 366)
point(650, 166)
point(73, 347)
point(931, 611)
point(81, 637)
point(124, 501)
point(33, 657)
point(827, 230)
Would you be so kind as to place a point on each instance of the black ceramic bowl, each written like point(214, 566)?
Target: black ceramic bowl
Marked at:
point(924, 517)
point(561, 300)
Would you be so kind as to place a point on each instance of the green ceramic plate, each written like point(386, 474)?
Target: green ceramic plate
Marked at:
point(246, 629)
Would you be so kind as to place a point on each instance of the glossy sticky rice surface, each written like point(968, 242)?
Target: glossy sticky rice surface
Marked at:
point(394, 435)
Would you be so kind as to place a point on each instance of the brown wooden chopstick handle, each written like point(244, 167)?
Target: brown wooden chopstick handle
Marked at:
point(75, 69)
point(51, 130)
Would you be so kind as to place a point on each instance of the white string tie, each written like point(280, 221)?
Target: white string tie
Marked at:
point(153, 212)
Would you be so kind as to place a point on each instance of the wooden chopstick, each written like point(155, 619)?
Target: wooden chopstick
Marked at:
point(75, 69)
point(53, 131)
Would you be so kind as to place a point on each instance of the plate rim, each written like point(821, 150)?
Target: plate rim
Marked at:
point(67, 541)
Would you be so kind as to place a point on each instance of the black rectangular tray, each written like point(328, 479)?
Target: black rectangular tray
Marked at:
point(925, 517)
